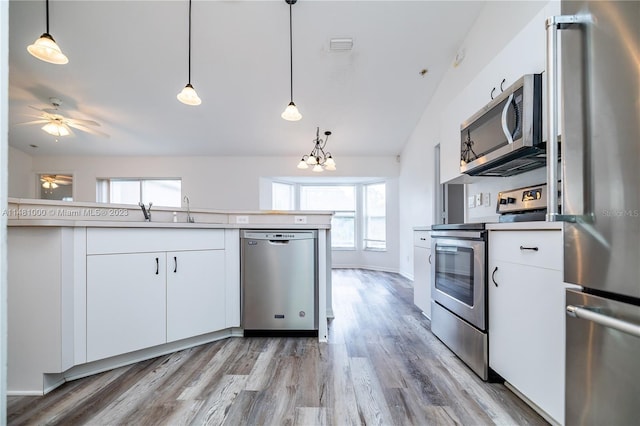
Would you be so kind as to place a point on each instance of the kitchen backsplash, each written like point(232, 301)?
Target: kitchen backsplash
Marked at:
point(491, 186)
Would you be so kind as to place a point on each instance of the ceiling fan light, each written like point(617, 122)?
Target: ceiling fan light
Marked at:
point(291, 113)
point(188, 96)
point(46, 49)
point(330, 162)
point(56, 129)
point(302, 164)
point(312, 161)
point(49, 185)
point(317, 168)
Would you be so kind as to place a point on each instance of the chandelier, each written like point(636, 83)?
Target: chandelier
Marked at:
point(318, 158)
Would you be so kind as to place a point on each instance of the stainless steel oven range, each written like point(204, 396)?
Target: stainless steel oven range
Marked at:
point(459, 293)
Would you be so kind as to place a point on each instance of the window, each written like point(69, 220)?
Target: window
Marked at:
point(338, 198)
point(161, 192)
point(282, 196)
point(360, 213)
point(375, 219)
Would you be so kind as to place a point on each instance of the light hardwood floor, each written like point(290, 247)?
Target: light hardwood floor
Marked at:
point(381, 366)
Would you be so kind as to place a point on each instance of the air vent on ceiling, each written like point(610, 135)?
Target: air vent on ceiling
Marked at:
point(344, 43)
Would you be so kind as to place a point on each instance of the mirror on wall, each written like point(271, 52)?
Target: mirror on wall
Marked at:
point(55, 186)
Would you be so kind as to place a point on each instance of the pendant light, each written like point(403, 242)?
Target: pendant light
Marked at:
point(45, 48)
point(188, 95)
point(291, 112)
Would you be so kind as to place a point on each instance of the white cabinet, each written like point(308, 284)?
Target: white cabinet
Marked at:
point(126, 303)
point(137, 300)
point(195, 293)
point(526, 315)
point(422, 271)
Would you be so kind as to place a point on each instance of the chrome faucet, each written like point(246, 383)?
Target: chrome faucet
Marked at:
point(189, 217)
point(146, 211)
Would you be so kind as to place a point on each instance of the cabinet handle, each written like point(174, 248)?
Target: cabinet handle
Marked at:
point(429, 259)
point(529, 248)
point(157, 266)
point(175, 264)
point(423, 239)
point(493, 276)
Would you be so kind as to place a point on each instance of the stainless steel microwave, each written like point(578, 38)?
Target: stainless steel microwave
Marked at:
point(504, 138)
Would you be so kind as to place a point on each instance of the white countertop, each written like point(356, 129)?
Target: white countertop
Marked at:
point(51, 213)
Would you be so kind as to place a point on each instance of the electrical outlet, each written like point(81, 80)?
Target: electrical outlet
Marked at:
point(471, 201)
point(242, 219)
point(486, 199)
point(478, 199)
point(300, 219)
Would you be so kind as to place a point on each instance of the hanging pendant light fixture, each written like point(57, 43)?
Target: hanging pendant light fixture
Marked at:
point(318, 158)
point(188, 95)
point(291, 112)
point(45, 48)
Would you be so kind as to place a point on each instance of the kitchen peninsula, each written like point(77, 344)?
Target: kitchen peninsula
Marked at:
point(94, 286)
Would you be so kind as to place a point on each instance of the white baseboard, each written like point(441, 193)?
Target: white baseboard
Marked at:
point(407, 276)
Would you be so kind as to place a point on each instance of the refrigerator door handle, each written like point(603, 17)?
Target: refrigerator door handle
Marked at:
point(553, 24)
point(588, 314)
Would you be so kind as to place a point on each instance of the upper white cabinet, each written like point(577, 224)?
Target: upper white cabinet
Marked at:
point(422, 271)
point(526, 315)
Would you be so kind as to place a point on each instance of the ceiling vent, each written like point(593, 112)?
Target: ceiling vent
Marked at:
point(341, 44)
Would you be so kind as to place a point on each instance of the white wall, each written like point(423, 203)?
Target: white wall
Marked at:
point(226, 183)
point(21, 177)
point(498, 26)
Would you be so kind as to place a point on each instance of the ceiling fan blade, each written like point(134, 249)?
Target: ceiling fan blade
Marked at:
point(88, 129)
point(82, 122)
point(36, 108)
point(41, 121)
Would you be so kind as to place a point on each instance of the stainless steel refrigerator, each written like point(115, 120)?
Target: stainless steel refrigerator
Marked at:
point(600, 101)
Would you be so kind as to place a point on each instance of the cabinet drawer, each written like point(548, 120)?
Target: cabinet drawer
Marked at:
point(535, 248)
point(422, 239)
point(136, 240)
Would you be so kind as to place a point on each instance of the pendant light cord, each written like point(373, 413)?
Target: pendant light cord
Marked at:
point(47, 8)
point(291, 49)
point(189, 41)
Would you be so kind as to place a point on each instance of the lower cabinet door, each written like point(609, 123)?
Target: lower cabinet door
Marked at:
point(527, 331)
point(195, 293)
point(126, 303)
point(422, 279)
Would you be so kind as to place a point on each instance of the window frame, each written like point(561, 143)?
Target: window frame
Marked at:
point(103, 188)
point(366, 217)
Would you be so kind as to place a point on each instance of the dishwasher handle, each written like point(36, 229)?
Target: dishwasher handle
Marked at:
point(279, 242)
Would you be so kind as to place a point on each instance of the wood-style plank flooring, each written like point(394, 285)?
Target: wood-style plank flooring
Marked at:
point(381, 366)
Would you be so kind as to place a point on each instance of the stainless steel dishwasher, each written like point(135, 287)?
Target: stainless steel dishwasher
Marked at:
point(279, 282)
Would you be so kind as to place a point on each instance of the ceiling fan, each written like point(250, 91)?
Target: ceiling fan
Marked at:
point(57, 124)
point(53, 181)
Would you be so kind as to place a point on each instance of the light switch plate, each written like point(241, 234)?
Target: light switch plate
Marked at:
point(478, 199)
point(486, 199)
point(471, 201)
point(242, 219)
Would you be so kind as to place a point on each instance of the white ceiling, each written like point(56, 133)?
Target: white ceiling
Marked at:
point(128, 61)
